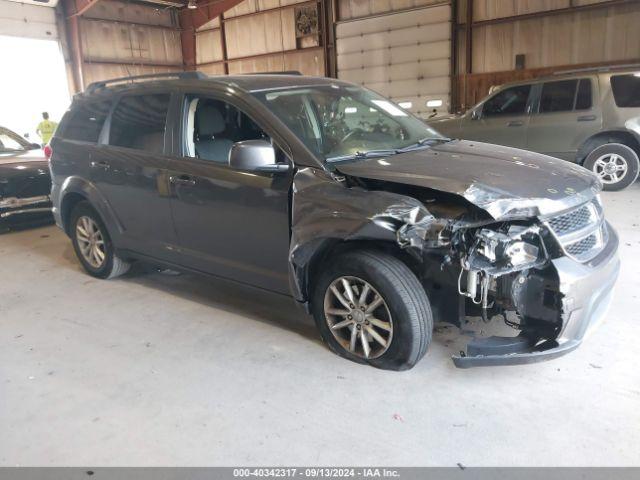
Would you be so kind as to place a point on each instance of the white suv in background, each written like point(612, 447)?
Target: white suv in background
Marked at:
point(588, 117)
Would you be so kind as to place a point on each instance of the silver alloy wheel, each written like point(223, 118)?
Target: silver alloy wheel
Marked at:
point(610, 168)
point(90, 241)
point(358, 317)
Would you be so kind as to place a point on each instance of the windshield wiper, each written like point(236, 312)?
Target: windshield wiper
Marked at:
point(425, 142)
point(361, 155)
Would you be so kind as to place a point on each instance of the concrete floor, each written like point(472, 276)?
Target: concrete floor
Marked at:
point(154, 369)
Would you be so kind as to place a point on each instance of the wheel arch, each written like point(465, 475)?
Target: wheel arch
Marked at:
point(77, 189)
point(69, 201)
point(331, 248)
point(623, 136)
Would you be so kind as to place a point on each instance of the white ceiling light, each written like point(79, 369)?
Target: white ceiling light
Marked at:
point(390, 108)
point(406, 105)
point(192, 4)
point(434, 103)
point(43, 3)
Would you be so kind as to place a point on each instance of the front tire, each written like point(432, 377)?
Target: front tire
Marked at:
point(370, 308)
point(615, 164)
point(93, 245)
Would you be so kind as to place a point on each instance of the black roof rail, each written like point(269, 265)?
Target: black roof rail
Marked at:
point(287, 72)
point(151, 76)
point(606, 68)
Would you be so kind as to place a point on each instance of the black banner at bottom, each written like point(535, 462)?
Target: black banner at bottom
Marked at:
point(365, 473)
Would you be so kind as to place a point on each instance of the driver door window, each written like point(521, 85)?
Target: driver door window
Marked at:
point(8, 143)
point(512, 101)
point(504, 119)
point(213, 126)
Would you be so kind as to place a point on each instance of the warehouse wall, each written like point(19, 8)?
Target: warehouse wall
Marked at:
point(24, 20)
point(259, 36)
point(349, 9)
point(402, 54)
point(593, 36)
point(400, 49)
point(119, 39)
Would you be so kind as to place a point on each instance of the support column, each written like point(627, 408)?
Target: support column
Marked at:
point(72, 27)
point(192, 19)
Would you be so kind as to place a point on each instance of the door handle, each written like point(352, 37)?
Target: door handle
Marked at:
point(515, 123)
point(182, 180)
point(587, 118)
point(101, 164)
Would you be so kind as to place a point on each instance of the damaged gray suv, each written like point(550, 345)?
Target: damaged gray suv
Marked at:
point(327, 192)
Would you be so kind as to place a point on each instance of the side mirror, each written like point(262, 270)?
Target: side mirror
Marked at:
point(255, 155)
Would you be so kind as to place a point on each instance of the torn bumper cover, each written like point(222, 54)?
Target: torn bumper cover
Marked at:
point(13, 206)
point(586, 290)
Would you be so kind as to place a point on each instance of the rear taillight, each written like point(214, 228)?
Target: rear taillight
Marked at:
point(47, 151)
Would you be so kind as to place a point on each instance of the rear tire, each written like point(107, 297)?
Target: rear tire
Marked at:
point(615, 164)
point(93, 245)
point(402, 324)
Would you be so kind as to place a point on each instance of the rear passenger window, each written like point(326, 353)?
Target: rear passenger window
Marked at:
point(558, 96)
point(626, 90)
point(139, 122)
point(561, 96)
point(86, 121)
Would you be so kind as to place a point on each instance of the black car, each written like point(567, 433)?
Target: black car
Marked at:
point(25, 183)
point(330, 193)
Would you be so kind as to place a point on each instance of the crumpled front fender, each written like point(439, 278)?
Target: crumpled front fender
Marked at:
point(325, 210)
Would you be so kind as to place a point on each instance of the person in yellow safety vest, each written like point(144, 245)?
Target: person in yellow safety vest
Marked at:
point(46, 128)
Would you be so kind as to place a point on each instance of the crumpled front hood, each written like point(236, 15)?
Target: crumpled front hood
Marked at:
point(503, 181)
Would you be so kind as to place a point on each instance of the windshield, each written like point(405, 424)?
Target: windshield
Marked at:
point(337, 121)
point(11, 142)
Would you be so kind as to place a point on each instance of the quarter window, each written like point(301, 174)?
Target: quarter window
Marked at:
point(626, 90)
point(86, 121)
point(139, 122)
point(512, 101)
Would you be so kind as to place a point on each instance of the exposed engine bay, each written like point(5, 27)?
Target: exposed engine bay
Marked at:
point(492, 261)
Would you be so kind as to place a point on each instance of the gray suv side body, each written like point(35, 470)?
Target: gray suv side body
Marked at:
point(542, 121)
point(225, 176)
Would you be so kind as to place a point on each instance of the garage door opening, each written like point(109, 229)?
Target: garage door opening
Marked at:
point(34, 81)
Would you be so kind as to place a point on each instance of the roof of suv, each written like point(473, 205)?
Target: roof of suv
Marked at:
point(579, 73)
point(249, 83)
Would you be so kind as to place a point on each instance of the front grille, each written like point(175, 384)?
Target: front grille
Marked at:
point(572, 221)
point(581, 232)
point(583, 246)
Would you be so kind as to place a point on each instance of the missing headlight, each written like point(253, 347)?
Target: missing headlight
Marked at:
point(498, 253)
point(522, 253)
